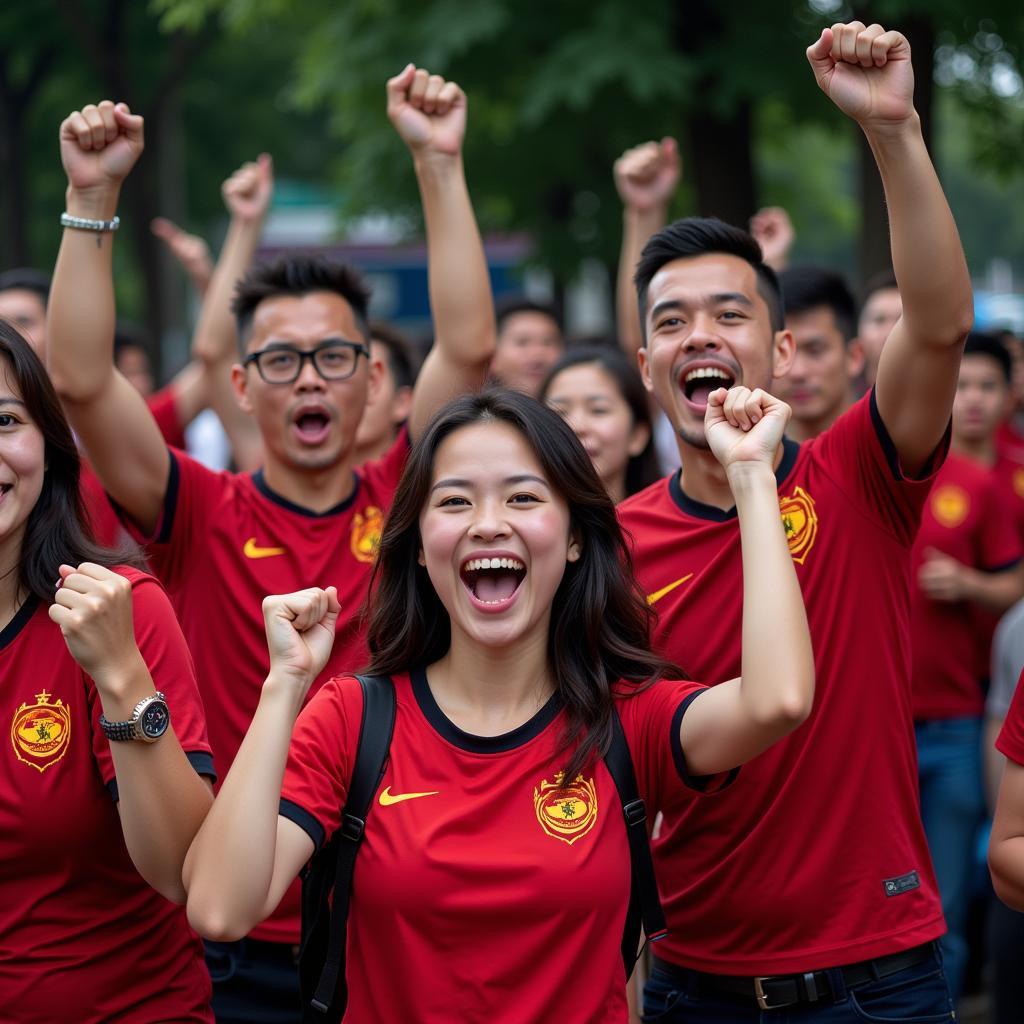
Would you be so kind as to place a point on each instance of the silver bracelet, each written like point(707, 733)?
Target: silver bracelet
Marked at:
point(87, 224)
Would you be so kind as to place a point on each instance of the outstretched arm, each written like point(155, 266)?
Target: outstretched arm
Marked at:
point(99, 146)
point(430, 116)
point(733, 722)
point(867, 73)
point(646, 177)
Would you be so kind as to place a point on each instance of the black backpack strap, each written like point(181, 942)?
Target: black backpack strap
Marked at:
point(644, 905)
point(374, 741)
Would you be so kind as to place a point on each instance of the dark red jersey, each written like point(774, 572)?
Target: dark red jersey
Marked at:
point(164, 406)
point(104, 524)
point(1010, 440)
point(225, 542)
point(816, 856)
point(82, 937)
point(486, 890)
point(1010, 741)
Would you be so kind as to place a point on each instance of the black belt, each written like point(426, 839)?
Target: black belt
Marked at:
point(777, 991)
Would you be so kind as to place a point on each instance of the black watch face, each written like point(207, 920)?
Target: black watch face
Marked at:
point(154, 720)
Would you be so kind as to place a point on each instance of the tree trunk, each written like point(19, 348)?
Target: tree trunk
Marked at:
point(15, 201)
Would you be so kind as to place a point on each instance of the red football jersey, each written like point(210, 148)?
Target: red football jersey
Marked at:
point(225, 542)
point(82, 936)
point(968, 518)
point(485, 891)
point(816, 857)
point(1011, 736)
point(106, 528)
point(1010, 440)
point(164, 407)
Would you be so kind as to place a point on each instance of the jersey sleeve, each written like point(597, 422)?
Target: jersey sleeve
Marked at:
point(163, 405)
point(999, 543)
point(1010, 740)
point(651, 720)
point(860, 456)
point(163, 649)
point(381, 476)
point(320, 758)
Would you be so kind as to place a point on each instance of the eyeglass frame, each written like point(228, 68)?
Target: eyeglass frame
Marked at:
point(360, 349)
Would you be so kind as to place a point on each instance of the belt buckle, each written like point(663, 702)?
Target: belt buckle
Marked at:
point(762, 997)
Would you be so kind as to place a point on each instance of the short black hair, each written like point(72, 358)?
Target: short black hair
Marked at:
point(880, 282)
point(806, 288)
point(28, 280)
point(520, 304)
point(399, 352)
point(299, 275)
point(988, 343)
point(700, 236)
point(128, 334)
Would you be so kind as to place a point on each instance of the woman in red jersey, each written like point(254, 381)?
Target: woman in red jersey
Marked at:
point(601, 396)
point(493, 879)
point(98, 798)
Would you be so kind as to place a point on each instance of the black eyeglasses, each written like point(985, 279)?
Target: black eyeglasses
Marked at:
point(282, 364)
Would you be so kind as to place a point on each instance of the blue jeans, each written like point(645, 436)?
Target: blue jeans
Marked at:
point(254, 982)
point(917, 995)
point(952, 809)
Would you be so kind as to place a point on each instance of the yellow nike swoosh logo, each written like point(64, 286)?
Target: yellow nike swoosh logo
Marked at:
point(659, 594)
point(251, 550)
point(387, 798)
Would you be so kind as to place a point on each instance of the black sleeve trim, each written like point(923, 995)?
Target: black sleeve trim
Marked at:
point(170, 499)
point(305, 821)
point(1005, 567)
point(199, 759)
point(700, 783)
point(892, 457)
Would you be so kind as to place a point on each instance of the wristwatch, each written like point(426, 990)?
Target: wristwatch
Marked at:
point(149, 721)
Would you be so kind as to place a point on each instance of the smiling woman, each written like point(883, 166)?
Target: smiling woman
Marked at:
point(497, 864)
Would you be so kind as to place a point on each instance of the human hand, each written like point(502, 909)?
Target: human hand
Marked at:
point(300, 633)
point(190, 251)
point(941, 577)
point(866, 72)
point(99, 145)
point(93, 607)
point(744, 426)
point(247, 193)
point(428, 113)
point(647, 175)
point(773, 231)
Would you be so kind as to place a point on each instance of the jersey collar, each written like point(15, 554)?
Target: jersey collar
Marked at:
point(697, 509)
point(21, 617)
point(264, 488)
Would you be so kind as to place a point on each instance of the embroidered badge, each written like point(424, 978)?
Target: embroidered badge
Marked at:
point(40, 732)
point(950, 505)
point(800, 521)
point(366, 531)
point(566, 812)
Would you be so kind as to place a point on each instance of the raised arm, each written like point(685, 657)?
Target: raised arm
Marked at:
point(430, 116)
point(646, 177)
point(99, 146)
point(191, 252)
point(867, 73)
point(244, 826)
point(773, 231)
point(733, 722)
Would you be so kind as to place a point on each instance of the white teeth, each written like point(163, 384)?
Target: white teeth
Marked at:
point(476, 564)
point(707, 371)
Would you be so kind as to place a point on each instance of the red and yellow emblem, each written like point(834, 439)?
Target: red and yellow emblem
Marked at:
point(950, 505)
point(366, 530)
point(800, 521)
point(40, 732)
point(566, 812)
point(1018, 482)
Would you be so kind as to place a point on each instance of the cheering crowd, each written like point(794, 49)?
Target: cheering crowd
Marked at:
point(742, 571)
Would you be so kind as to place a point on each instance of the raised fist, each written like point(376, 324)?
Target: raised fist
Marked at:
point(99, 145)
point(300, 633)
point(647, 175)
point(427, 112)
point(247, 193)
point(744, 426)
point(866, 72)
point(773, 231)
point(190, 251)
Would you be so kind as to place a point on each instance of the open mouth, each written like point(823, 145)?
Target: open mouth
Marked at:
point(493, 581)
point(700, 382)
point(312, 426)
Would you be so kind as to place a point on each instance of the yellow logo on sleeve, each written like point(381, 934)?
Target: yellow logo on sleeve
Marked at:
point(950, 505)
point(40, 732)
point(366, 530)
point(566, 812)
point(800, 521)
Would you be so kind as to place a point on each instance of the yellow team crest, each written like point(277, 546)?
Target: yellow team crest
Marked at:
point(366, 531)
point(566, 812)
point(800, 521)
point(1018, 482)
point(950, 505)
point(40, 732)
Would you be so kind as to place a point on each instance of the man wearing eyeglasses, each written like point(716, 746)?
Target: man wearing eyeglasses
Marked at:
point(220, 542)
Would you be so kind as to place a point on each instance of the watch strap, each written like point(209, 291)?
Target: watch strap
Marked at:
point(128, 729)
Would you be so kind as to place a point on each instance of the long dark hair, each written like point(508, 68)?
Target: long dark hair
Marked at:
point(57, 531)
point(600, 620)
point(643, 469)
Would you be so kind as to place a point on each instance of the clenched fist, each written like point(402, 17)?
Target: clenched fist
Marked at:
point(428, 112)
point(99, 145)
point(247, 193)
point(647, 175)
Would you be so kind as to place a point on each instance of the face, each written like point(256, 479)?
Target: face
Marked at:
point(818, 383)
point(490, 499)
point(983, 399)
point(388, 409)
point(707, 327)
point(311, 423)
point(26, 310)
point(528, 346)
point(134, 366)
point(877, 320)
point(22, 459)
point(590, 400)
